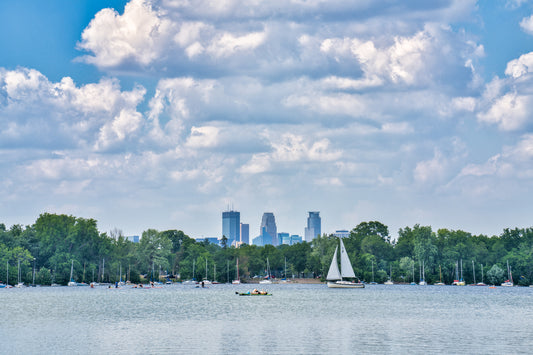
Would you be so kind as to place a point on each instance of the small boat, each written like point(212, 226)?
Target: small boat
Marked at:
point(373, 282)
point(440, 283)
point(258, 293)
point(508, 282)
point(19, 284)
point(422, 276)
point(237, 281)
point(336, 277)
point(458, 281)
point(72, 282)
point(482, 283)
point(267, 280)
point(389, 281)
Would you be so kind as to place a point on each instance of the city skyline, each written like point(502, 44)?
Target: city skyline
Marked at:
point(153, 114)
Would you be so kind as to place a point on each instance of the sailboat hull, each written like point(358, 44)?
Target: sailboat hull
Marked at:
point(345, 284)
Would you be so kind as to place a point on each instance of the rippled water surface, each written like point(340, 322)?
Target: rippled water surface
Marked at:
point(297, 319)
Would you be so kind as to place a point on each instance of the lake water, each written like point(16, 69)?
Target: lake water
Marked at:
point(297, 319)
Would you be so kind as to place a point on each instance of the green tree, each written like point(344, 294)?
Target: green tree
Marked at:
point(495, 275)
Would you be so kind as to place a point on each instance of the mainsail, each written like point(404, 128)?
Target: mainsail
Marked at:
point(346, 265)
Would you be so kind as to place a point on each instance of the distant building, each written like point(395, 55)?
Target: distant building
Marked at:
point(268, 230)
point(245, 233)
point(133, 238)
point(313, 228)
point(295, 239)
point(231, 226)
point(285, 238)
point(342, 233)
point(258, 241)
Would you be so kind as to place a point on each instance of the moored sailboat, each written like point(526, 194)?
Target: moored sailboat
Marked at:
point(72, 282)
point(440, 283)
point(422, 276)
point(336, 277)
point(509, 281)
point(237, 281)
point(458, 281)
point(267, 280)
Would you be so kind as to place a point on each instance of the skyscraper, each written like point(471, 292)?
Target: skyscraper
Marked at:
point(231, 226)
point(313, 228)
point(245, 233)
point(269, 229)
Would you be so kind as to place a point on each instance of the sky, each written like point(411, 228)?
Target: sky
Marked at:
point(165, 113)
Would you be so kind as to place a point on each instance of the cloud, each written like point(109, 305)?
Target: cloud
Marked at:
point(139, 35)
point(512, 162)
point(291, 148)
point(527, 25)
point(206, 136)
point(521, 66)
point(278, 38)
point(41, 113)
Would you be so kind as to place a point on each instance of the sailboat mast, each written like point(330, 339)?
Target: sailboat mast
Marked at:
point(474, 271)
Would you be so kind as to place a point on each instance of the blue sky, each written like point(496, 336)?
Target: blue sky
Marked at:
point(161, 113)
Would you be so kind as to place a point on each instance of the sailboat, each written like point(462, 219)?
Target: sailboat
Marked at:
point(206, 281)
point(440, 283)
point(373, 282)
point(237, 281)
point(284, 279)
point(422, 278)
point(72, 282)
point(335, 276)
point(458, 281)
point(482, 283)
point(509, 282)
point(389, 281)
point(6, 285)
point(267, 279)
point(413, 283)
point(19, 284)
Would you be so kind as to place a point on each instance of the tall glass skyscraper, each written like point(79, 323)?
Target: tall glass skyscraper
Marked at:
point(231, 226)
point(314, 226)
point(245, 233)
point(268, 227)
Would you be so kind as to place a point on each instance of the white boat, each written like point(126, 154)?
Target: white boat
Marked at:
point(267, 280)
point(458, 281)
point(19, 284)
point(422, 277)
point(509, 282)
point(72, 282)
point(373, 282)
point(336, 277)
point(440, 283)
point(237, 281)
point(482, 283)
point(389, 281)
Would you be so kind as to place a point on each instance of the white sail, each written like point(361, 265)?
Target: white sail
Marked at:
point(333, 273)
point(346, 265)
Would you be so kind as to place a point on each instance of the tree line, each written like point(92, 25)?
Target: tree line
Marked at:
point(47, 249)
